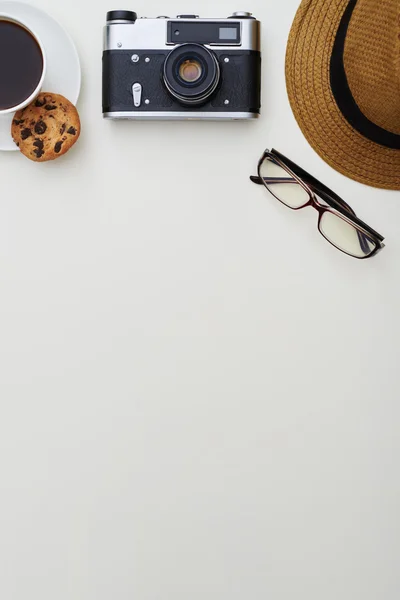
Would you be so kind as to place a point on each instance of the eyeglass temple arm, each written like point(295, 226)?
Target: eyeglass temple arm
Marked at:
point(272, 180)
point(319, 191)
point(317, 187)
point(323, 190)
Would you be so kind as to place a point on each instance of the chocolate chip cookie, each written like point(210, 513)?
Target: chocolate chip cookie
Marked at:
point(47, 128)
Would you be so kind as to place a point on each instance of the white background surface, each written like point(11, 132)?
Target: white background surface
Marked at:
point(199, 396)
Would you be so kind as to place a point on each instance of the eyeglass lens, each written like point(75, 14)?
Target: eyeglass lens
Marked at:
point(345, 237)
point(281, 185)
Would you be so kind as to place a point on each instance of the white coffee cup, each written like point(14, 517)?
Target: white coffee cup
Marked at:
point(36, 91)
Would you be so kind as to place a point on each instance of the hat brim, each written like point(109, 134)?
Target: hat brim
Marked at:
point(308, 58)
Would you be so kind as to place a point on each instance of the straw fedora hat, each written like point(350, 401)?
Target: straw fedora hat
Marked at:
point(343, 81)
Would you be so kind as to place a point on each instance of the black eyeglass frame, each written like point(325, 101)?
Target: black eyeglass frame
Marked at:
point(314, 188)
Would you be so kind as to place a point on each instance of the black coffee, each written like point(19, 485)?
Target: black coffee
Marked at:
point(21, 64)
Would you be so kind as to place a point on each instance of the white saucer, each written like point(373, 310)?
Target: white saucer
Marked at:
point(63, 74)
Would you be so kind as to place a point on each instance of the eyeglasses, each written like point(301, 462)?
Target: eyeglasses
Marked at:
point(337, 221)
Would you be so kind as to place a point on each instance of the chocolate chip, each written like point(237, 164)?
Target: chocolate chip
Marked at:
point(57, 147)
point(51, 117)
point(71, 131)
point(19, 122)
point(50, 107)
point(62, 129)
point(25, 133)
point(39, 147)
point(40, 127)
point(39, 102)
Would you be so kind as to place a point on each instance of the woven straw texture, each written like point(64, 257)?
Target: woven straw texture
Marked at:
point(372, 63)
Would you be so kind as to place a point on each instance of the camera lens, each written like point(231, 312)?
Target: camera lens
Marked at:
point(190, 70)
point(191, 74)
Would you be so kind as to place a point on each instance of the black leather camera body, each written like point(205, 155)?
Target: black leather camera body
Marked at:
point(182, 68)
